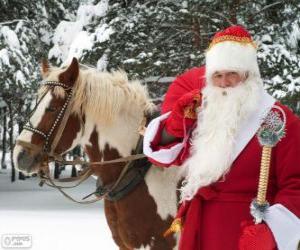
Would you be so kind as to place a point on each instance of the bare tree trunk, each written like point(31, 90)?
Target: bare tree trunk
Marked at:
point(75, 153)
point(21, 175)
point(3, 163)
point(74, 172)
point(196, 30)
point(233, 11)
point(57, 171)
point(11, 141)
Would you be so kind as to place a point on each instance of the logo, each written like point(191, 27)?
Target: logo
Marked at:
point(16, 241)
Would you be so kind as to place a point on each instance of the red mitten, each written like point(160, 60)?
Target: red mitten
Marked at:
point(256, 237)
point(183, 114)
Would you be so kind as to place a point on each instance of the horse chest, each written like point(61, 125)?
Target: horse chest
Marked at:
point(138, 221)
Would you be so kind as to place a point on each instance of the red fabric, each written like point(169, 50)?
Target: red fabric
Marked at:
point(235, 30)
point(192, 214)
point(183, 84)
point(188, 81)
point(257, 237)
point(176, 124)
point(215, 223)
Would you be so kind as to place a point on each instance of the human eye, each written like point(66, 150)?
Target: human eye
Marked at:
point(232, 73)
point(217, 75)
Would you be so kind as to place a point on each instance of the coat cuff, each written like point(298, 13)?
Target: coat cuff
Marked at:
point(163, 156)
point(284, 225)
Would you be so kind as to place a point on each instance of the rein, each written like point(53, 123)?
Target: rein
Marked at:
point(48, 152)
point(46, 179)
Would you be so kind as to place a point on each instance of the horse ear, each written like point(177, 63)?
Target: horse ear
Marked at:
point(45, 68)
point(69, 76)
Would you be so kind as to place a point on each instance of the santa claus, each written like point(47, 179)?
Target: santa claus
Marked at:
point(215, 126)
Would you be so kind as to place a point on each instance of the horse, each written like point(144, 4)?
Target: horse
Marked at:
point(105, 111)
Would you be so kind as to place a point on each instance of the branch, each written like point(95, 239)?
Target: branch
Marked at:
point(224, 17)
point(12, 21)
point(267, 7)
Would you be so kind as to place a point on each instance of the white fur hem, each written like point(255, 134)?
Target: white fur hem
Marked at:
point(164, 156)
point(285, 227)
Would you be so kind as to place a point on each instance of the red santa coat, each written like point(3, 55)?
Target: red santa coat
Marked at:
point(213, 218)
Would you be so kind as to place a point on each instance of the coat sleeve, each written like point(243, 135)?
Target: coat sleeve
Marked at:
point(174, 153)
point(283, 216)
point(171, 154)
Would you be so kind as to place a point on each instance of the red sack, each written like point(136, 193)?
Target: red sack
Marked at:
point(183, 114)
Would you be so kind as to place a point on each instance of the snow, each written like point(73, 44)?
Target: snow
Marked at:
point(51, 220)
point(20, 78)
point(81, 42)
point(130, 60)
point(184, 11)
point(55, 52)
point(101, 8)
point(184, 4)
point(103, 32)
point(64, 35)
point(266, 38)
point(102, 63)
point(70, 38)
point(142, 55)
point(295, 35)
point(10, 37)
point(86, 12)
point(4, 57)
point(166, 79)
point(158, 63)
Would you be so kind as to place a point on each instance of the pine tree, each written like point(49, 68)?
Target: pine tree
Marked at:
point(25, 37)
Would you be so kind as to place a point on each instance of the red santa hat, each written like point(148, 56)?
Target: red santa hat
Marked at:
point(232, 49)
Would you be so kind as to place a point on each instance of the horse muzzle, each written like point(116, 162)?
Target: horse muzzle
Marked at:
point(27, 159)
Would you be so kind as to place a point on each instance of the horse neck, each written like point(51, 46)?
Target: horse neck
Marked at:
point(105, 143)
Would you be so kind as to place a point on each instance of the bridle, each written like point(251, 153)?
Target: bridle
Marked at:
point(63, 114)
point(48, 151)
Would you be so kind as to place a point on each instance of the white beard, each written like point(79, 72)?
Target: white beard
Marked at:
point(213, 140)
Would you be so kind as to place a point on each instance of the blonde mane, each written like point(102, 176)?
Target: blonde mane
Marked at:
point(105, 95)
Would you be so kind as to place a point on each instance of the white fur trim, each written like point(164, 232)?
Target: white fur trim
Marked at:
point(164, 156)
point(285, 227)
point(232, 56)
point(251, 125)
point(249, 128)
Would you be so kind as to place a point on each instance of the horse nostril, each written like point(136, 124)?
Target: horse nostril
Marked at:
point(24, 160)
point(27, 161)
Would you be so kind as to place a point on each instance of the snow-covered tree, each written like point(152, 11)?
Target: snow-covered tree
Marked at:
point(167, 37)
point(145, 37)
point(26, 29)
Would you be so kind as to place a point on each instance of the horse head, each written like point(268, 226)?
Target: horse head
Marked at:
point(41, 131)
point(101, 111)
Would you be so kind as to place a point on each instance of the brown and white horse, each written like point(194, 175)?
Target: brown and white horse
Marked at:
point(107, 110)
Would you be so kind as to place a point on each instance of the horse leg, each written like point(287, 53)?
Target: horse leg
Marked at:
point(112, 220)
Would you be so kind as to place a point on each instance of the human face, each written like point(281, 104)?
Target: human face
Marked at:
point(225, 79)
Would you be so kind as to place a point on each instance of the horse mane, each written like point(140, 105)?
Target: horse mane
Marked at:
point(104, 95)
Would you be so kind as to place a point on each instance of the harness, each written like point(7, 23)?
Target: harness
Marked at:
point(131, 175)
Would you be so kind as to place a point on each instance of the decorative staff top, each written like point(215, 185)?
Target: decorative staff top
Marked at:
point(273, 128)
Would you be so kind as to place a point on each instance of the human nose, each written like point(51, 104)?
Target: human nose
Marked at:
point(224, 82)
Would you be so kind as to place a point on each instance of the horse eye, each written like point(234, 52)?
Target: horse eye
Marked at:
point(50, 109)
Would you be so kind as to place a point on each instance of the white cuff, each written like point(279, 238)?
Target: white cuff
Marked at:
point(164, 156)
point(284, 225)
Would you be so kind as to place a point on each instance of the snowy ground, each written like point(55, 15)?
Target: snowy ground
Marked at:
point(53, 222)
